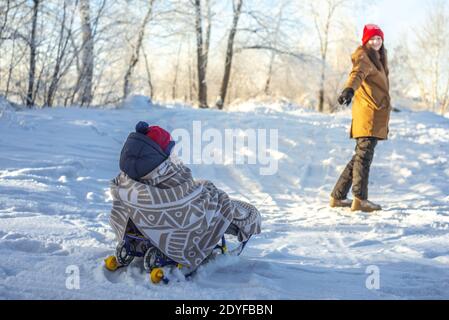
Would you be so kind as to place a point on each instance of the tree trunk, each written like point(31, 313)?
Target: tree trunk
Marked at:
point(190, 82)
point(175, 78)
point(229, 55)
point(147, 68)
point(135, 55)
point(273, 53)
point(10, 69)
point(322, 82)
point(87, 56)
point(62, 46)
point(4, 9)
point(33, 53)
point(201, 53)
point(266, 89)
point(323, 34)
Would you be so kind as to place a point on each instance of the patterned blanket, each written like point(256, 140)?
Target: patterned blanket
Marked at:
point(183, 217)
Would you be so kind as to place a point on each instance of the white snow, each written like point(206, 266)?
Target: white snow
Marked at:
point(55, 167)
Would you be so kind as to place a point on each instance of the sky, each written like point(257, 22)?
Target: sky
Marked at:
point(395, 17)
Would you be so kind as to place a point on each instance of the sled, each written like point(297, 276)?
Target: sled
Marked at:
point(155, 262)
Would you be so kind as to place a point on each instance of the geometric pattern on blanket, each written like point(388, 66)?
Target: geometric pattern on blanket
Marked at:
point(182, 217)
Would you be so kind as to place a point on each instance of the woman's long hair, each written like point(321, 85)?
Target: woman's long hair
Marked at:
point(379, 62)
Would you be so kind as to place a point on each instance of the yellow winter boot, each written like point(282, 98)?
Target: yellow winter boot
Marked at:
point(335, 203)
point(364, 206)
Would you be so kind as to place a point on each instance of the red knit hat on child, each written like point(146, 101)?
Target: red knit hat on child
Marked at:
point(370, 31)
point(159, 135)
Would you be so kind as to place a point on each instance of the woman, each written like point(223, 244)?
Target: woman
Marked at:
point(369, 85)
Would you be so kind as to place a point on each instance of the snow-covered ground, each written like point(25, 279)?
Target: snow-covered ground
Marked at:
point(55, 167)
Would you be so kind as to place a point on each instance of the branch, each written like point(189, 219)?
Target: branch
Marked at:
point(300, 56)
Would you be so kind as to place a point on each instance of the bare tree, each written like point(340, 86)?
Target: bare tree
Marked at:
point(33, 54)
point(202, 47)
point(273, 34)
point(4, 15)
point(427, 58)
point(9, 25)
point(136, 49)
point(190, 74)
point(81, 54)
point(60, 69)
point(275, 39)
point(237, 9)
point(176, 72)
point(323, 25)
point(87, 60)
point(147, 69)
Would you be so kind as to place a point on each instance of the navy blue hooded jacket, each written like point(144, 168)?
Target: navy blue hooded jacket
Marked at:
point(141, 155)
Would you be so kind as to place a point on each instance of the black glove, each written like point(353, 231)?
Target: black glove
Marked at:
point(346, 96)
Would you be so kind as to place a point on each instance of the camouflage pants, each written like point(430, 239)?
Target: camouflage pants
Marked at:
point(356, 172)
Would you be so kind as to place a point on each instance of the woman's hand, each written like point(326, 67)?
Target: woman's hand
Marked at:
point(346, 96)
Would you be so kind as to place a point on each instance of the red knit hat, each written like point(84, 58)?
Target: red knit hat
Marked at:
point(370, 31)
point(159, 135)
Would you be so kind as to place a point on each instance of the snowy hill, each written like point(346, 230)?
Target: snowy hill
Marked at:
point(55, 167)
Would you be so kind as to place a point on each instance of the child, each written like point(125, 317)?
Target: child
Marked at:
point(184, 218)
